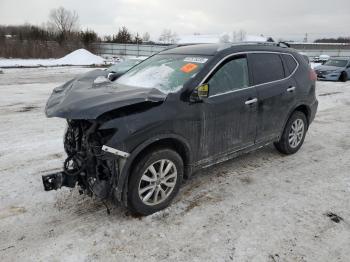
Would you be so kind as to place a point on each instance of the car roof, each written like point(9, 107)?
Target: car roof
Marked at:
point(213, 49)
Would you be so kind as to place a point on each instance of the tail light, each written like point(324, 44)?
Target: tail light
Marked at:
point(313, 75)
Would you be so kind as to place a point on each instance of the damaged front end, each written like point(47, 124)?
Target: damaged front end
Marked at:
point(89, 164)
point(88, 106)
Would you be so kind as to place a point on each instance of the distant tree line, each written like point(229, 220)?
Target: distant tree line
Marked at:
point(334, 40)
point(36, 33)
point(28, 41)
point(59, 36)
point(124, 36)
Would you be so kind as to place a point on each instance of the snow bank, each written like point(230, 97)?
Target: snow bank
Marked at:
point(80, 57)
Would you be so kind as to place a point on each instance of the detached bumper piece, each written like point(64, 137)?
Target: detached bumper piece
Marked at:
point(57, 180)
point(115, 151)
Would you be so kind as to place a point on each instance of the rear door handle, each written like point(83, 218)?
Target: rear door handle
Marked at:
point(291, 89)
point(251, 101)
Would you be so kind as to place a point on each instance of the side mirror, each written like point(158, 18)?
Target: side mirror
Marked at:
point(113, 76)
point(199, 93)
point(203, 91)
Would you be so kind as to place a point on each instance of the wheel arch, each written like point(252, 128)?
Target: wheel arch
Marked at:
point(305, 109)
point(178, 144)
point(173, 141)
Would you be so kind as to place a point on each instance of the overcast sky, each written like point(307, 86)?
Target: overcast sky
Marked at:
point(278, 18)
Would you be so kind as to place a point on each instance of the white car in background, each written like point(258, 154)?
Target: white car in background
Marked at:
point(321, 59)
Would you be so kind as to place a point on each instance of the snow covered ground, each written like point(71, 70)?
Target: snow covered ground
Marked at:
point(259, 207)
point(78, 57)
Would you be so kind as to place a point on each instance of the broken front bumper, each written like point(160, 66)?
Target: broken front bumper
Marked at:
point(57, 180)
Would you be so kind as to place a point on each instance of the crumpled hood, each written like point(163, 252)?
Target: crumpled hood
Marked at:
point(327, 68)
point(82, 98)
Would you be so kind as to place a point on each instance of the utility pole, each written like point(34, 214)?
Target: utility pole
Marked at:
point(306, 38)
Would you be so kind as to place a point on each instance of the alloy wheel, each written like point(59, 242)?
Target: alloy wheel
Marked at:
point(296, 133)
point(157, 182)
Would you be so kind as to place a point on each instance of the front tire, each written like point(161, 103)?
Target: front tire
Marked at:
point(155, 181)
point(293, 134)
point(343, 77)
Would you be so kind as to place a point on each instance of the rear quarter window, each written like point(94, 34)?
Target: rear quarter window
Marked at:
point(290, 63)
point(266, 68)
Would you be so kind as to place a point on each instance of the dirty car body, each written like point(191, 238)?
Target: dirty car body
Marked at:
point(112, 125)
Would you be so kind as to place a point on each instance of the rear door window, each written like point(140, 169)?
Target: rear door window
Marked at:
point(290, 63)
point(231, 76)
point(266, 67)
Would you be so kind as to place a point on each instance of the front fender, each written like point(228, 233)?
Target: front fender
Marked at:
point(121, 189)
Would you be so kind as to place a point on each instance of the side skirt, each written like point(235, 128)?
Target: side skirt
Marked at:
point(210, 161)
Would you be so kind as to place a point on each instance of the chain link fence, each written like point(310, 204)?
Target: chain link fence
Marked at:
point(110, 49)
point(317, 49)
point(311, 49)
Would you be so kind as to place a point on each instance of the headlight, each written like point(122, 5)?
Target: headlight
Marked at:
point(332, 72)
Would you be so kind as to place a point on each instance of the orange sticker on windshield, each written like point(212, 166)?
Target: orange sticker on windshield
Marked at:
point(188, 68)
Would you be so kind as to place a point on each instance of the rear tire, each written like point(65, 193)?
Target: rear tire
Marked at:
point(155, 181)
point(343, 77)
point(293, 134)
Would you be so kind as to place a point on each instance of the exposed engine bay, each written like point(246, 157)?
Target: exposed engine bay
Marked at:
point(86, 165)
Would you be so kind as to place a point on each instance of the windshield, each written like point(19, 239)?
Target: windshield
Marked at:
point(123, 66)
point(337, 63)
point(167, 73)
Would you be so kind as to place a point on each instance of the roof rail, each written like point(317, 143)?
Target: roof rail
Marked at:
point(280, 44)
point(179, 45)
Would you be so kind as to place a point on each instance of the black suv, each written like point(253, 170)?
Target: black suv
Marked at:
point(135, 139)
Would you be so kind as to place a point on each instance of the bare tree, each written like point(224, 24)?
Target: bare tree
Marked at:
point(239, 36)
point(123, 36)
point(146, 37)
point(63, 21)
point(224, 38)
point(242, 35)
point(168, 37)
point(137, 39)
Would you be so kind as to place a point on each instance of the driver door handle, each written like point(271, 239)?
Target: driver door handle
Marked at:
point(291, 89)
point(251, 101)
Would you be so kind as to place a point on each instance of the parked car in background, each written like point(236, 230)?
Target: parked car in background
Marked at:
point(335, 69)
point(321, 59)
point(324, 58)
point(135, 139)
point(120, 68)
